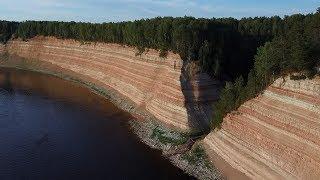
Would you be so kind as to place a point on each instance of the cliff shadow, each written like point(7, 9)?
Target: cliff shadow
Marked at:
point(200, 92)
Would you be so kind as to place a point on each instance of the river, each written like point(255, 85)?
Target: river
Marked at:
point(55, 129)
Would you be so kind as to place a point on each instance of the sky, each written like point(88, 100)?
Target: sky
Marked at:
point(125, 10)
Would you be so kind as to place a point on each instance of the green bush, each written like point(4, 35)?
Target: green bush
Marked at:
point(196, 156)
point(165, 137)
point(298, 77)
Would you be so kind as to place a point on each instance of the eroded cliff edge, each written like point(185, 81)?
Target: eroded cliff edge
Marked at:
point(274, 136)
point(152, 83)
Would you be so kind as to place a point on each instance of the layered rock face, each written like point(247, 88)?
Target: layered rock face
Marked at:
point(153, 83)
point(274, 136)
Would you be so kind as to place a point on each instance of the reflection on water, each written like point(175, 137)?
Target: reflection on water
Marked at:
point(5, 82)
point(54, 129)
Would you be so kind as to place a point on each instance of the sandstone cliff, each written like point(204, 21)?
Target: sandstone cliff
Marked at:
point(274, 136)
point(151, 82)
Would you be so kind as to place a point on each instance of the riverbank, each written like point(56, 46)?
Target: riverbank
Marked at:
point(147, 128)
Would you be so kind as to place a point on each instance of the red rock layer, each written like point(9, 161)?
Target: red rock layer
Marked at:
point(274, 136)
point(151, 82)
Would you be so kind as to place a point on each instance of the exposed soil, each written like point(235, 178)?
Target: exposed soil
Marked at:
point(274, 136)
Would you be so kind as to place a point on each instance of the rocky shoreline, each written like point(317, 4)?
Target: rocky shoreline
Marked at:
point(193, 162)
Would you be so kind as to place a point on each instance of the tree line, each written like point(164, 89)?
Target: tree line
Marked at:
point(219, 46)
point(7, 28)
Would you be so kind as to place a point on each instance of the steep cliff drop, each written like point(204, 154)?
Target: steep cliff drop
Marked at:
point(152, 83)
point(274, 136)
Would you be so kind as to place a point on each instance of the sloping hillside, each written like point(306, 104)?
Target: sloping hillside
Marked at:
point(274, 136)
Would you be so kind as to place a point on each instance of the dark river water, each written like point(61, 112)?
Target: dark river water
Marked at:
point(54, 129)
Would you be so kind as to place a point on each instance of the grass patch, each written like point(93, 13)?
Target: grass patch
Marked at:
point(196, 156)
point(166, 138)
